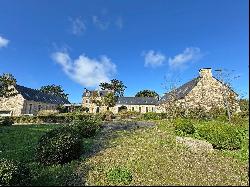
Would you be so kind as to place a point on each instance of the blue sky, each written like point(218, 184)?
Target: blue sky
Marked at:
point(78, 44)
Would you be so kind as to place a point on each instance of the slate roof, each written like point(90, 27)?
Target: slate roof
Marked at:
point(181, 91)
point(38, 96)
point(136, 101)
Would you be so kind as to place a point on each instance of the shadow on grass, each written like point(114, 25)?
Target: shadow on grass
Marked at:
point(109, 131)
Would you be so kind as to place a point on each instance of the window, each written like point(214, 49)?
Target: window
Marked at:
point(97, 110)
point(139, 109)
point(146, 109)
point(39, 107)
point(5, 113)
point(133, 108)
point(107, 108)
point(152, 109)
point(87, 101)
point(30, 109)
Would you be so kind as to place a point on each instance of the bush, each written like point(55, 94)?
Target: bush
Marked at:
point(14, 173)
point(184, 127)
point(221, 135)
point(86, 127)
point(151, 116)
point(6, 121)
point(128, 114)
point(59, 146)
point(120, 176)
point(47, 112)
point(107, 116)
point(54, 118)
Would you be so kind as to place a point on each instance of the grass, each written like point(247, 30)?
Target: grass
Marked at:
point(18, 143)
point(143, 156)
point(153, 158)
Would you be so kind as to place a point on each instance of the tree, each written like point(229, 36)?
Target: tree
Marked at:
point(109, 99)
point(229, 98)
point(54, 90)
point(7, 83)
point(115, 85)
point(147, 93)
point(172, 109)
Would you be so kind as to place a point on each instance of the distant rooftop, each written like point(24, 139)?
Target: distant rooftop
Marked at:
point(38, 96)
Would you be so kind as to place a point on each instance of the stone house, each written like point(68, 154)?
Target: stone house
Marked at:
point(204, 91)
point(138, 104)
point(29, 101)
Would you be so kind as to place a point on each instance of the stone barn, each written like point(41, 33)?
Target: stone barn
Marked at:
point(29, 101)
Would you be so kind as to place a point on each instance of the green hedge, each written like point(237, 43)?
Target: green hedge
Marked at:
point(221, 135)
point(59, 118)
point(14, 173)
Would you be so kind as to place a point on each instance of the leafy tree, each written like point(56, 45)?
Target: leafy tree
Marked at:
point(117, 86)
point(147, 93)
point(54, 90)
point(109, 99)
point(7, 81)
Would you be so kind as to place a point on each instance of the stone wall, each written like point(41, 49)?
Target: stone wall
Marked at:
point(93, 108)
point(32, 107)
point(137, 108)
point(14, 104)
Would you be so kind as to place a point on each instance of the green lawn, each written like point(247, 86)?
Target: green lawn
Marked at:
point(18, 141)
point(150, 155)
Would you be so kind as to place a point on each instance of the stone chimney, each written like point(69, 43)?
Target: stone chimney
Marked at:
point(205, 72)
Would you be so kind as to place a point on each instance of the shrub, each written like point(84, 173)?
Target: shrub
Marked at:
point(151, 115)
point(47, 112)
point(128, 114)
point(59, 146)
point(107, 116)
point(184, 127)
point(86, 127)
point(221, 135)
point(14, 173)
point(6, 121)
point(120, 176)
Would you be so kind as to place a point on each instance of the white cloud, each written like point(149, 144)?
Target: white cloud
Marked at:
point(190, 54)
point(3, 42)
point(119, 22)
point(100, 23)
point(78, 26)
point(84, 70)
point(153, 59)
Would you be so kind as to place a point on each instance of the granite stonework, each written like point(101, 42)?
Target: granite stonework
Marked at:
point(204, 92)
